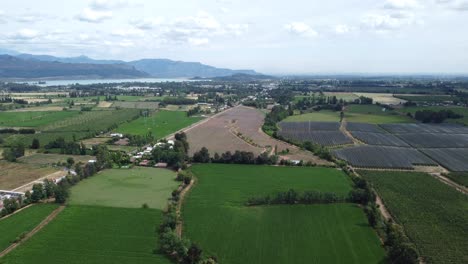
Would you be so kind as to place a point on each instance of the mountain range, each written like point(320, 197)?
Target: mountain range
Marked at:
point(15, 65)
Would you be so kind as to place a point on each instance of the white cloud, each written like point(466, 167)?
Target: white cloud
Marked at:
point(387, 22)
point(457, 5)
point(147, 24)
point(131, 32)
point(402, 4)
point(198, 41)
point(108, 4)
point(26, 33)
point(94, 16)
point(343, 29)
point(300, 28)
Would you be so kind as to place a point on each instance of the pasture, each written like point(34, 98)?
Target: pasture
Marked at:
point(374, 114)
point(215, 217)
point(128, 188)
point(160, 124)
point(319, 116)
point(33, 119)
point(95, 235)
point(433, 214)
point(22, 222)
point(47, 159)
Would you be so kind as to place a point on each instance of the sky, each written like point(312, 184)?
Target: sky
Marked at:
point(270, 36)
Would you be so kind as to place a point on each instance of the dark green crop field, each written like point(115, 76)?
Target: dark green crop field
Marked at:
point(434, 215)
point(94, 235)
point(33, 119)
point(22, 222)
point(216, 218)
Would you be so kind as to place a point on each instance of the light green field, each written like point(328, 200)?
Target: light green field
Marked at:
point(94, 235)
point(126, 188)
point(374, 114)
point(321, 116)
point(216, 219)
point(33, 119)
point(434, 215)
point(348, 97)
point(22, 222)
point(160, 124)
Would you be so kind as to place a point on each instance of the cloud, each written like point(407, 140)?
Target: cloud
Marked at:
point(301, 29)
point(456, 5)
point(94, 16)
point(198, 41)
point(25, 34)
point(401, 4)
point(343, 29)
point(132, 32)
point(388, 22)
point(104, 5)
point(147, 24)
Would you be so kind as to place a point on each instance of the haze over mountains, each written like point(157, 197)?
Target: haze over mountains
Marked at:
point(14, 65)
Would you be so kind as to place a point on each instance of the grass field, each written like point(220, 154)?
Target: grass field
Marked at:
point(126, 188)
point(374, 114)
point(459, 110)
point(22, 222)
point(433, 214)
point(215, 217)
point(383, 98)
point(33, 119)
point(160, 124)
point(48, 159)
point(459, 177)
point(13, 174)
point(321, 116)
point(426, 98)
point(94, 235)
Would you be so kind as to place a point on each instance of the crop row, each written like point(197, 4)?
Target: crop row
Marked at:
point(383, 157)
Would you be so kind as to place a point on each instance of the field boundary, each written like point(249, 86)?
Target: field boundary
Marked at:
point(17, 211)
point(450, 183)
point(183, 193)
point(41, 225)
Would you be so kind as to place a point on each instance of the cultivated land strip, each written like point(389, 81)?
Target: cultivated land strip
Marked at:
point(450, 183)
point(34, 231)
point(180, 223)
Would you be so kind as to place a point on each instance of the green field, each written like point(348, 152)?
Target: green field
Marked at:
point(321, 116)
point(215, 217)
point(459, 177)
point(94, 235)
point(373, 114)
point(22, 222)
point(160, 124)
point(33, 119)
point(126, 188)
point(459, 110)
point(426, 98)
point(434, 215)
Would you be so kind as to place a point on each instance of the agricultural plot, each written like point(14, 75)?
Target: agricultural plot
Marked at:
point(159, 124)
point(363, 127)
point(48, 159)
point(238, 128)
point(22, 222)
point(435, 98)
point(427, 140)
point(459, 177)
point(33, 119)
point(214, 211)
point(433, 214)
point(347, 97)
point(452, 159)
point(374, 114)
point(383, 98)
point(14, 175)
point(323, 138)
point(425, 128)
point(128, 188)
point(379, 139)
point(383, 157)
point(95, 235)
point(309, 126)
point(320, 116)
point(136, 105)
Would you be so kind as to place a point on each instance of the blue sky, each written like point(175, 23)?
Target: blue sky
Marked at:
point(270, 36)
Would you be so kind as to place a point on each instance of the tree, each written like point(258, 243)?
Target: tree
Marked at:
point(35, 144)
point(37, 193)
point(70, 162)
point(9, 155)
point(202, 156)
point(61, 193)
point(49, 188)
point(193, 255)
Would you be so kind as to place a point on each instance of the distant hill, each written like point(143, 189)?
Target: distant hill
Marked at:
point(16, 67)
point(159, 68)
